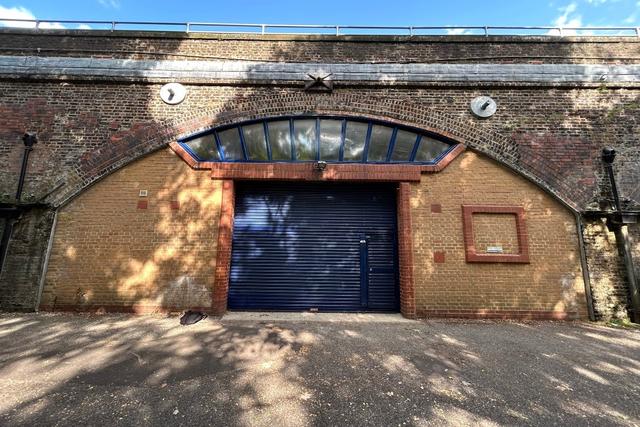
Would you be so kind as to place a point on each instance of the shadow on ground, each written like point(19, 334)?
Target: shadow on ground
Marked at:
point(69, 369)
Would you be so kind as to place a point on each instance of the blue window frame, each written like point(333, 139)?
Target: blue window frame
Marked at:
point(312, 138)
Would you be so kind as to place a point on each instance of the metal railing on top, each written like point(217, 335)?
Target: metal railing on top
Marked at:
point(219, 27)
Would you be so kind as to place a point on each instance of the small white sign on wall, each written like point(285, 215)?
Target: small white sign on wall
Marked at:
point(494, 249)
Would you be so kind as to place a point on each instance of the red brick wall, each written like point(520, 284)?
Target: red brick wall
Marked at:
point(84, 141)
point(223, 255)
point(405, 252)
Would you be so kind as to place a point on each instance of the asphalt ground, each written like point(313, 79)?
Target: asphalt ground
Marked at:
point(333, 370)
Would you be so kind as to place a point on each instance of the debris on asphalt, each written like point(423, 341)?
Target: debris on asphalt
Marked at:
point(191, 317)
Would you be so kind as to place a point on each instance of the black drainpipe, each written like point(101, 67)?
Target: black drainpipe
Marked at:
point(617, 224)
point(12, 212)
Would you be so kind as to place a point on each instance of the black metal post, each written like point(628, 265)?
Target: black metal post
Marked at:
point(4, 243)
point(622, 236)
point(29, 141)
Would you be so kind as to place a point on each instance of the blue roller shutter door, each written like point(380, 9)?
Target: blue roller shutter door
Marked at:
point(300, 246)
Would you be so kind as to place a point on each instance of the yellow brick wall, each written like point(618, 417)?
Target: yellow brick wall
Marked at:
point(109, 253)
point(493, 229)
point(551, 282)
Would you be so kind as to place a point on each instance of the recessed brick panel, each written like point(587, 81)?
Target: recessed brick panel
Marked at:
point(495, 233)
point(476, 254)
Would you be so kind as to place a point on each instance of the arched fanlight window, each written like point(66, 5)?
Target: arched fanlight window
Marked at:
point(331, 139)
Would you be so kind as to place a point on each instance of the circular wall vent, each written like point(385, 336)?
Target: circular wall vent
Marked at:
point(173, 93)
point(483, 106)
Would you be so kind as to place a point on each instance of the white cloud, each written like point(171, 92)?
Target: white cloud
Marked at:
point(457, 31)
point(20, 12)
point(115, 4)
point(52, 25)
point(568, 9)
point(568, 18)
point(599, 2)
point(16, 13)
point(84, 27)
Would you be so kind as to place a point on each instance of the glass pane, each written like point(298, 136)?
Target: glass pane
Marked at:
point(280, 140)
point(304, 135)
point(403, 146)
point(255, 142)
point(354, 138)
point(330, 139)
point(379, 143)
point(230, 142)
point(430, 149)
point(204, 147)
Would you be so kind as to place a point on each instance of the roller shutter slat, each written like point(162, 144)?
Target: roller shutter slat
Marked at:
point(296, 246)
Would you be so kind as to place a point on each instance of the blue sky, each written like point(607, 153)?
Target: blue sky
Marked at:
point(371, 12)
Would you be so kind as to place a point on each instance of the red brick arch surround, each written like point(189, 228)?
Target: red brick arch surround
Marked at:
point(144, 138)
point(405, 250)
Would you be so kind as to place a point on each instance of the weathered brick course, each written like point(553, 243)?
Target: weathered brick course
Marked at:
point(562, 156)
point(19, 281)
point(301, 48)
point(634, 236)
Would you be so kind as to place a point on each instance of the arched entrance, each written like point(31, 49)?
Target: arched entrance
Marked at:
point(179, 238)
point(292, 246)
